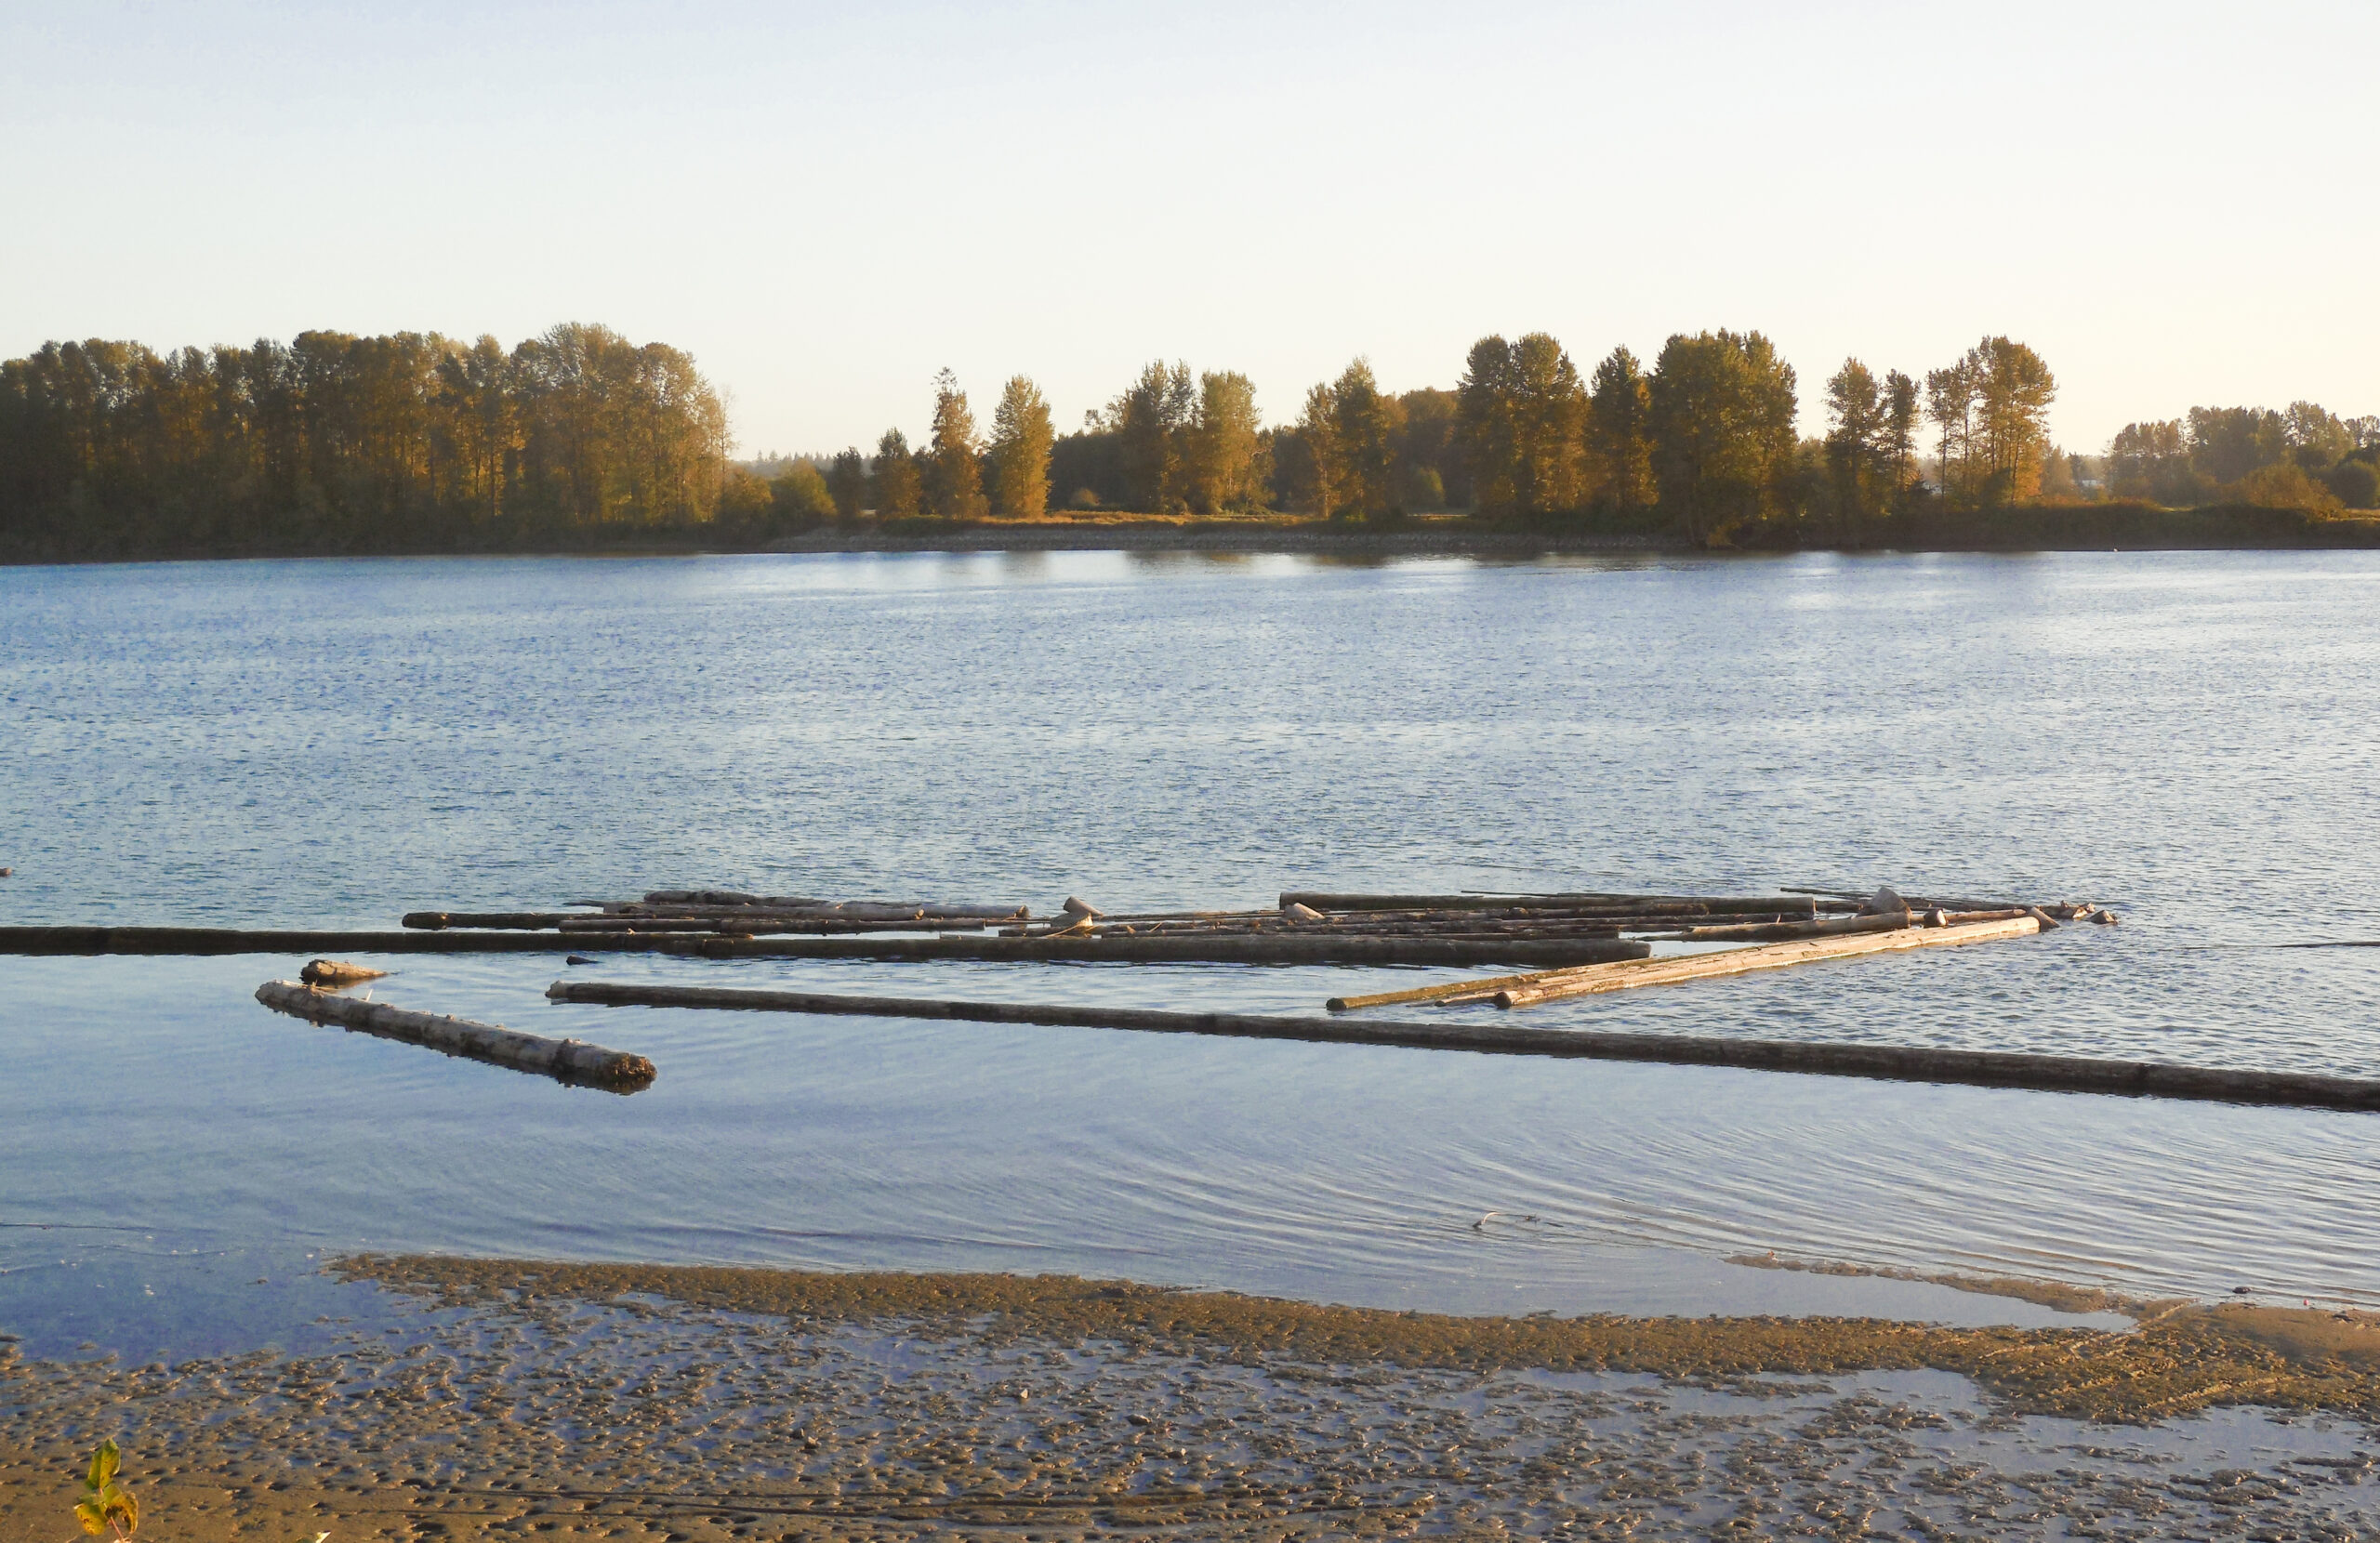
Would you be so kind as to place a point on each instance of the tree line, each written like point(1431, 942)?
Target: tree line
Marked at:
point(333, 441)
point(416, 441)
point(2303, 457)
point(1702, 444)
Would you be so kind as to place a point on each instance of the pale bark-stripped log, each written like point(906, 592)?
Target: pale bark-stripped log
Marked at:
point(1891, 921)
point(1643, 904)
point(1476, 986)
point(1889, 1062)
point(573, 1060)
point(1738, 961)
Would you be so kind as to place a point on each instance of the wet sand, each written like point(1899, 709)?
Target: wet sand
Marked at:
point(509, 1399)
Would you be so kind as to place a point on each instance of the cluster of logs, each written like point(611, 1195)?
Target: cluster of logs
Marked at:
point(1453, 918)
point(1657, 918)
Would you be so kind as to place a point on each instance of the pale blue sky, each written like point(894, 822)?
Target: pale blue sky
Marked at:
point(826, 203)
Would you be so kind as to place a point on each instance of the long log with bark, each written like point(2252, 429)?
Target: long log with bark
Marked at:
point(573, 1060)
point(1740, 961)
point(1890, 1063)
point(1891, 921)
point(1285, 948)
point(722, 898)
point(1637, 904)
point(237, 940)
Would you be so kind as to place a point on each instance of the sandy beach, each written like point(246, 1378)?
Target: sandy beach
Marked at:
point(508, 1399)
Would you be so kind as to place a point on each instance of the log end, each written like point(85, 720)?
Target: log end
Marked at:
point(1336, 1004)
point(338, 972)
point(425, 921)
point(624, 1073)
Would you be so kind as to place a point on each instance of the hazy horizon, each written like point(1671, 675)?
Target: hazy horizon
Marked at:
point(824, 207)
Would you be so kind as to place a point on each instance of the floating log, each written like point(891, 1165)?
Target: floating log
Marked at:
point(573, 1060)
point(438, 921)
point(1740, 961)
point(1889, 921)
point(1922, 903)
point(338, 972)
point(1889, 1062)
point(956, 910)
point(1637, 904)
point(753, 924)
point(232, 940)
point(1268, 948)
point(1473, 987)
point(1286, 947)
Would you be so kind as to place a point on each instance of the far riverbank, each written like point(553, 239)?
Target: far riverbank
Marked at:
point(2031, 528)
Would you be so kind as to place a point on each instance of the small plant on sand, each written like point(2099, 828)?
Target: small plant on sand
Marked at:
point(107, 1508)
point(107, 1505)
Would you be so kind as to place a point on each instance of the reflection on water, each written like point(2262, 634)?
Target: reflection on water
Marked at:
point(2184, 735)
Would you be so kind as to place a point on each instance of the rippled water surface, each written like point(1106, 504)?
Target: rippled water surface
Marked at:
point(2187, 736)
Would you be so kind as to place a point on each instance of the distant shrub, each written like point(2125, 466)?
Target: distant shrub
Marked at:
point(801, 493)
point(743, 496)
point(2356, 484)
point(2284, 485)
point(1083, 499)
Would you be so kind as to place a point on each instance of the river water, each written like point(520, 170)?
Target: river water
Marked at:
point(2187, 736)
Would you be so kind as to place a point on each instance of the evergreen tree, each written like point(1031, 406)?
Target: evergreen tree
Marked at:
point(1151, 421)
point(1224, 464)
point(1363, 441)
point(847, 482)
point(1722, 433)
point(1486, 433)
point(1855, 447)
point(953, 478)
point(1619, 409)
point(1548, 414)
point(894, 483)
point(1022, 439)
